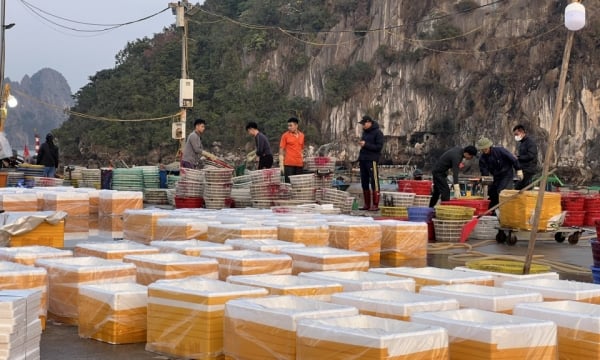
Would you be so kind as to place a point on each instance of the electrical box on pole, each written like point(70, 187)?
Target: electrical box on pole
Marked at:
point(186, 93)
point(179, 16)
point(178, 130)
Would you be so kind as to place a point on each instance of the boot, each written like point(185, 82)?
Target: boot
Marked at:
point(375, 206)
point(367, 197)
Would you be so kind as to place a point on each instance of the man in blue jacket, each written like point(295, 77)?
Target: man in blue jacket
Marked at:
point(371, 144)
point(498, 162)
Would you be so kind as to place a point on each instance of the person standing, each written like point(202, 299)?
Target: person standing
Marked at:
point(371, 144)
point(450, 160)
point(48, 156)
point(291, 160)
point(527, 154)
point(498, 162)
point(192, 157)
point(263, 148)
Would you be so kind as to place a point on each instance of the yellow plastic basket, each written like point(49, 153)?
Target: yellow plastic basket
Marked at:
point(506, 266)
point(394, 211)
point(453, 212)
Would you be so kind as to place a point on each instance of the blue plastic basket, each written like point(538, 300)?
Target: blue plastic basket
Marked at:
point(420, 213)
point(595, 274)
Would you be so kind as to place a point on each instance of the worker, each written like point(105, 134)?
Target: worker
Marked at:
point(527, 155)
point(371, 144)
point(498, 162)
point(263, 148)
point(291, 146)
point(48, 156)
point(450, 160)
point(193, 157)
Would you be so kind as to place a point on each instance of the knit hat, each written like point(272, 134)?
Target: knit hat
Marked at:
point(484, 143)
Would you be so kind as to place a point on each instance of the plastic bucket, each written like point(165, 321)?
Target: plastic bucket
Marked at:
point(421, 214)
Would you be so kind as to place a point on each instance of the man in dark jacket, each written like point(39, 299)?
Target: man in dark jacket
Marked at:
point(498, 162)
point(48, 156)
point(527, 155)
point(451, 159)
point(263, 148)
point(371, 144)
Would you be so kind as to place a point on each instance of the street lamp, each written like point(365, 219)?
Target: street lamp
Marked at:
point(574, 21)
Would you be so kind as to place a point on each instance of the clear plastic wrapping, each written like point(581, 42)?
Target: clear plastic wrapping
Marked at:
point(501, 278)
point(553, 290)
point(115, 250)
point(27, 255)
point(357, 236)
point(221, 232)
point(307, 234)
point(249, 262)
point(363, 280)
point(112, 202)
point(189, 247)
point(290, 285)
point(435, 276)
point(266, 245)
point(153, 267)
point(325, 258)
point(10, 201)
point(140, 225)
point(402, 240)
point(186, 228)
point(76, 204)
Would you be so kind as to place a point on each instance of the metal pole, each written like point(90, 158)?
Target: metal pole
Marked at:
point(3, 47)
point(549, 151)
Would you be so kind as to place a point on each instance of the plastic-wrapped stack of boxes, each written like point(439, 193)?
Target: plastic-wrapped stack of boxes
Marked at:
point(76, 205)
point(27, 255)
point(112, 206)
point(221, 232)
point(266, 245)
point(140, 225)
point(363, 280)
point(249, 262)
point(325, 258)
point(51, 234)
point(188, 247)
point(403, 240)
point(113, 250)
point(19, 201)
point(553, 290)
point(181, 229)
point(307, 234)
point(150, 268)
point(22, 277)
point(361, 236)
point(290, 285)
point(434, 276)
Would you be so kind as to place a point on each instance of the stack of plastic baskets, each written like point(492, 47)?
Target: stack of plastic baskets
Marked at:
point(217, 188)
point(573, 203)
point(449, 222)
point(303, 188)
point(265, 187)
point(592, 209)
point(420, 213)
point(189, 189)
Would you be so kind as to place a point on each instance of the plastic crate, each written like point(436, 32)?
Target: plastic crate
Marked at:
point(394, 211)
point(480, 205)
point(419, 187)
point(420, 213)
point(448, 230)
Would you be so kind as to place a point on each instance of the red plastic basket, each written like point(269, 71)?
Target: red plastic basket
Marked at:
point(419, 187)
point(188, 203)
point(591, 203)
point(572, 202)
point(480, 206)
point(591, 217)
point(574, 218)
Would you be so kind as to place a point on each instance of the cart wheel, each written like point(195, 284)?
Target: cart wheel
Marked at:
point(512, 238)
point(574, 238)
point(559, 237)
point(501, 237)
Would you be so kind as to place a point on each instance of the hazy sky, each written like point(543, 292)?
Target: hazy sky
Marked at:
point(34, 43)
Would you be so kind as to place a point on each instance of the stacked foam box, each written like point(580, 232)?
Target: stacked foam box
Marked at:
point(182, 229)
point(553, 290)
point(20, 329)
point(65, 275)
point(185, 317)
point(140, 225)
point(27, 255)
point(363, 280)
point(578, 326)
point(76, 205)
point(22, 277)
point(188, 247)
point(393, 304)
point(113, 250)
point(290, 285)
point(483, 297)
point(307, 234)
point(326, 258)
point(403, 240)
point(221, 232)
point(94, 200)
point(500, 278)
point(435, 276)
point(369, 338)
point(150, 268)
point(478, 334)
point(113, 313)
point(19, 201)
point(249, 262)
point(361, 236)
point(44, 234)
point(265, 328)
point(266, 245)
point(111, 206)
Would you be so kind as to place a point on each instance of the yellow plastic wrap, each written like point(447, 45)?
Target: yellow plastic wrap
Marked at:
point(365, 337)
point(220, 232)
point(265, 328)
point(477, 334)
point(116, 250)
point(75, 204)
point(517, 213)
point(153, 267)
point(249, 262)
point(325, 258)
point(266, 245)
point(578, 326)
point(189, 247)
point(290, 285)
point(185, 317)
point(307, 234)
point(435, 276)
point(359, 236)
point(483, 297)
point(65, 275)
point(403, 240)
point(140, 225)
point(363, 280)
point(113, 313)
point(553, 290)
point(27, 255)
point(392, 303)
point(111, 203)
point(15, 276)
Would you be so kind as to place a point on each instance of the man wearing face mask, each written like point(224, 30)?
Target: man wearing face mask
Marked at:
point(451, 159)
point(527, 155)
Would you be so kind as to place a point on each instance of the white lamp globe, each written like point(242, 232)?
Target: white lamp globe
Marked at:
point(11, 101)
point(574, 16)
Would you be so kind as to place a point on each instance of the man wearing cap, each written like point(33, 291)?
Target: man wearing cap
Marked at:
point(371, 144)
point(498, 162)
point(48, 156)
point(451, 159)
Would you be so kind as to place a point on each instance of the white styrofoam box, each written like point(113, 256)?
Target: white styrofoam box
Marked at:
point(290, 285)
point(569, 314)
point(326, 258)
point(500, 278)
point(398, 338)
point(120, 296)
point(393, 303)
point(483, 297)
point(198, 286)
point(153, 267)
point(363, 280)
point(28, 254)
point(250, 262)
point(435, 276)
point(506, 331)
point(189, 247)
point(559, 289)
point(113, 250)
point(266, 245)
